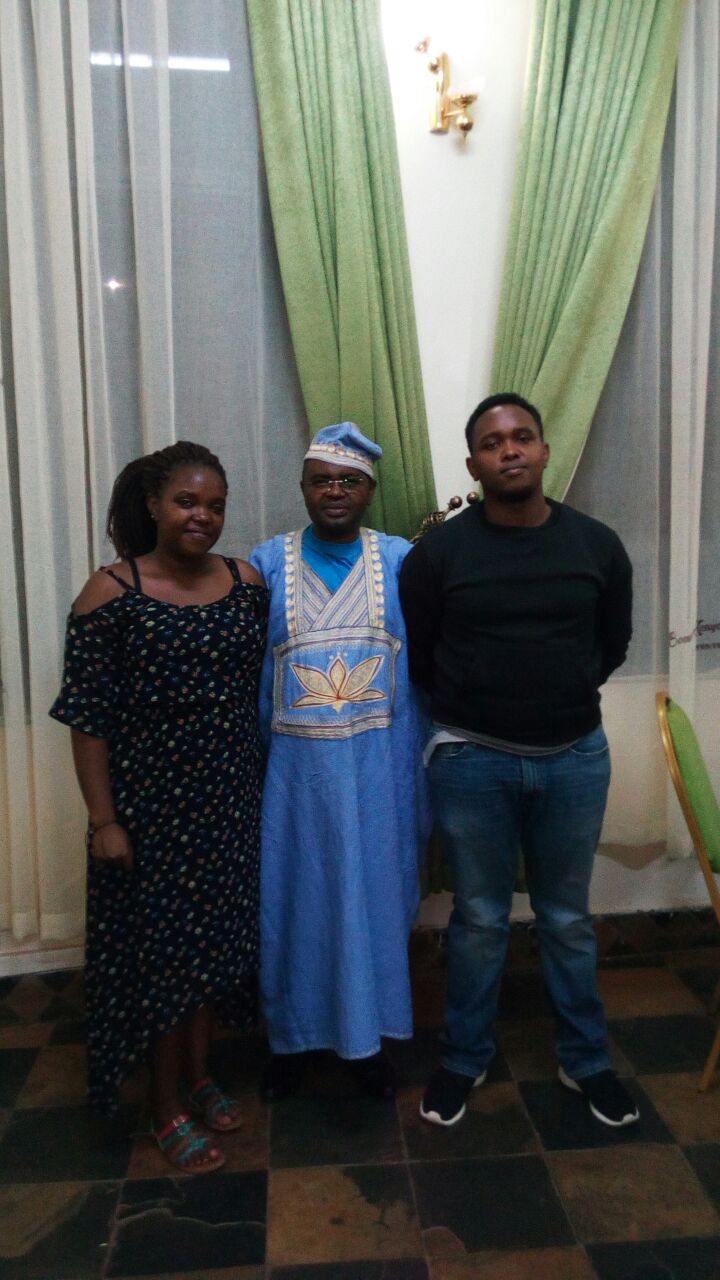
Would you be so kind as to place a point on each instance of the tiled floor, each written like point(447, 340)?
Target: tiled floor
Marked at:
point(336, 1187)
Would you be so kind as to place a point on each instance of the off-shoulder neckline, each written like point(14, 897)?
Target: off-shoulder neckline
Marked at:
point(90, 613)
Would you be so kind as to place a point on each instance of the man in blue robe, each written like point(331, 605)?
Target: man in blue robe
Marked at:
point(345, 809)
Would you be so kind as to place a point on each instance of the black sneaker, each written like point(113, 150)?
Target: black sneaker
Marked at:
point(606, 1097)
point(444, 1101)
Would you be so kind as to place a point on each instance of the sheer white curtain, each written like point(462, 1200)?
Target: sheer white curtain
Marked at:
point(140, 303)
point(695, 324)
point(652, 464)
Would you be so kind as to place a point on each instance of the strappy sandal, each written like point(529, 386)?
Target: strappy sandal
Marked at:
point(208, 1102)
point(181, 1143)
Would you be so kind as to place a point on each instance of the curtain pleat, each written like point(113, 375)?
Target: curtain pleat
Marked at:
point(147, 98)
point(694, 223)
point(18, 875)
point(101, 466)
point(599, 86)
point(333, 177)
point(50, 540)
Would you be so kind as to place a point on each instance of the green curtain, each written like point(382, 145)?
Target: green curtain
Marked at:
point(598, 90)
point(333, 178)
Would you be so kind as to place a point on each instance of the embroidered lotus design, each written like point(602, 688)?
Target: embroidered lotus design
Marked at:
point(339, 685)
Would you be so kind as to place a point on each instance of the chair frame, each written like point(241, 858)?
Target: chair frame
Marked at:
point(661, 705)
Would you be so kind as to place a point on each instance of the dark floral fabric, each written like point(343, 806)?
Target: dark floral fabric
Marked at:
point(173, 689)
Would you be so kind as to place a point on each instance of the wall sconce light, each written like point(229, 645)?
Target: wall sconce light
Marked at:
point(449, 107)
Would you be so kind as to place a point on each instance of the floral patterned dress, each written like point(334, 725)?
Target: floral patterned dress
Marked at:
point(173, 690)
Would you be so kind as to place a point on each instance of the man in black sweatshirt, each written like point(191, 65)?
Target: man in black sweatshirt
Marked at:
point(516, 611)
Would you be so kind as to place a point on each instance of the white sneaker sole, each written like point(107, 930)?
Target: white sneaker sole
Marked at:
point(569, 1083)
point(434, 1117)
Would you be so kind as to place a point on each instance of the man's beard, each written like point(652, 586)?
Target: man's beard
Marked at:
point(516, 495)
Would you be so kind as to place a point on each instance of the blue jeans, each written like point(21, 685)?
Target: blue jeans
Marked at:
point(490, 805)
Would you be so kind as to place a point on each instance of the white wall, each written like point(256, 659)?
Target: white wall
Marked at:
point(457, 198)
point(457, 201)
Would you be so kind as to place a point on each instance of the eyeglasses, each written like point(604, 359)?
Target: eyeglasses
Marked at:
point(321, 484)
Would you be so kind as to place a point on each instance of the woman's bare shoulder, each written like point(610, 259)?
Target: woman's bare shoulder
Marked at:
point(249, 574)
point(99, 589)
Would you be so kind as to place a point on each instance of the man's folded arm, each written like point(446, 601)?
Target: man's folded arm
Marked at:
point(421, 603)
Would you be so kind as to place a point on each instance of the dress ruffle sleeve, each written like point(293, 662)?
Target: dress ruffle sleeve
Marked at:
point(89, 697)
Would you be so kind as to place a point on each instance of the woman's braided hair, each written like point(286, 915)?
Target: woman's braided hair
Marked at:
point(130, 526)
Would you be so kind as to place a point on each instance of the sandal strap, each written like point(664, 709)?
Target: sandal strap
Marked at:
point(173, 1126)
point(209, 1097)
point(181, 1132)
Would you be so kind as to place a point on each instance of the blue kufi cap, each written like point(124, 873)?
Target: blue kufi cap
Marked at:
point(345, 445)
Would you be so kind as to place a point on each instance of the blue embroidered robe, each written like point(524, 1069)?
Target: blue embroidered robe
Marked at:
point(345, 810)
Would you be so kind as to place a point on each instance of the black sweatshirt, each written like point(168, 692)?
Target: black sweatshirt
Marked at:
point(512, 630)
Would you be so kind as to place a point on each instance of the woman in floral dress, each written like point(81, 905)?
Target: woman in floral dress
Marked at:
point(160, 691)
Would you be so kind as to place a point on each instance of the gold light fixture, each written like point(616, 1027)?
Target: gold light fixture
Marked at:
point(449, 107)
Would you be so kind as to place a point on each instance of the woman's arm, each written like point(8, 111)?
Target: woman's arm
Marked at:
point(87, 704)
point(109, 842)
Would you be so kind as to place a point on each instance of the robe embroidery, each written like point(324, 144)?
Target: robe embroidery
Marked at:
point(335, 674)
